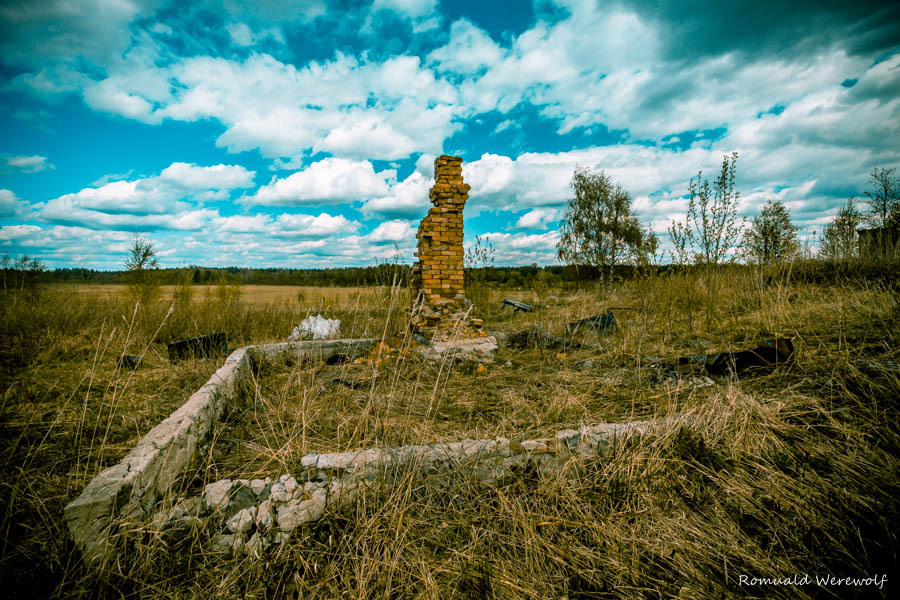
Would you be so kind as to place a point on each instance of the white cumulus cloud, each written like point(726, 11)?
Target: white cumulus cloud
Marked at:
point(538, 218)
point(323, 225)
point(10, 204)
point(469, 50)
point(347, 106)
point(219, 177)
point(396, 230)
point(406, 198)
point(28, 164)
point(521, 248)
point(15, 232)
point(165, 201)
point(328, 181)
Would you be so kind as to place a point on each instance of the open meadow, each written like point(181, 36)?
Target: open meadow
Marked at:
point(256, 295)
point(772, 473)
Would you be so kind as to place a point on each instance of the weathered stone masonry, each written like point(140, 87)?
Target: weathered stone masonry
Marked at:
point(131, 489)
point(251, 515)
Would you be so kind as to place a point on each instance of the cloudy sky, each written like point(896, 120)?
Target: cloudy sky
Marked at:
point(301, 133)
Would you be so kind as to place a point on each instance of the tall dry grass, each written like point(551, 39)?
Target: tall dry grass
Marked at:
point(792, 472)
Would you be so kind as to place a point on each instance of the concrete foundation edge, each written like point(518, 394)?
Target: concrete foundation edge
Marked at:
point(131, 488)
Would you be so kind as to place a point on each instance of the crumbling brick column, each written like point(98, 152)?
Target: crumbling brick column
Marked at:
point(440, 234)
point(440, 253)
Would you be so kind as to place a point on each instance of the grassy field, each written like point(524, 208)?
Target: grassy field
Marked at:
point(779, 474)
point(256, 295)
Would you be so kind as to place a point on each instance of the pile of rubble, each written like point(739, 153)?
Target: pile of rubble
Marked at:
point(446, 319)
point(464, 346)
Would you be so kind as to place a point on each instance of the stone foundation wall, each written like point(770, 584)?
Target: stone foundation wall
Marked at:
point(251, 515)
point(131, 489)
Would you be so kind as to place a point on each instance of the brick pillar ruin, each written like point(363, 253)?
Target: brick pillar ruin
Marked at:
point(440, 252)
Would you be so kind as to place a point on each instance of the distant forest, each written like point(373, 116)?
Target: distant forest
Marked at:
point(383, 274)
point(523, 277)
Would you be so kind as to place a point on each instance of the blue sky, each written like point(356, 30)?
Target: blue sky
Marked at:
point(301, 133)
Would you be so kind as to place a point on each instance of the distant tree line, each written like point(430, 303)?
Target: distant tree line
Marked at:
point(199, 275)
point(494, 276)
point(384, 274)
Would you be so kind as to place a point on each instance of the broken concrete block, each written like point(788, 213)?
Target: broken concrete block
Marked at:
point(255, 545)
point(242, 520)
point(297, 512)
point(315, 327)
point(340, 478)
point(258, 485)
point(283, 489)
point(216, 495)
point(228, 543)
point(467, 349)
point(264, 516)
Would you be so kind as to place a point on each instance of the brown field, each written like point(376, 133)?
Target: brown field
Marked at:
point(253, 294)
point(786, 472)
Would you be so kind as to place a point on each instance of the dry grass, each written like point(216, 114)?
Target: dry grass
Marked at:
point(255, 295)
point(793, 472)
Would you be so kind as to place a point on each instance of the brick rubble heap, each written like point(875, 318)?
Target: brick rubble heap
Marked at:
point(440, 252)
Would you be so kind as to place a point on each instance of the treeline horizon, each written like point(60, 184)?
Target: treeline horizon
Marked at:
point(811, 269)
point(374, 275)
